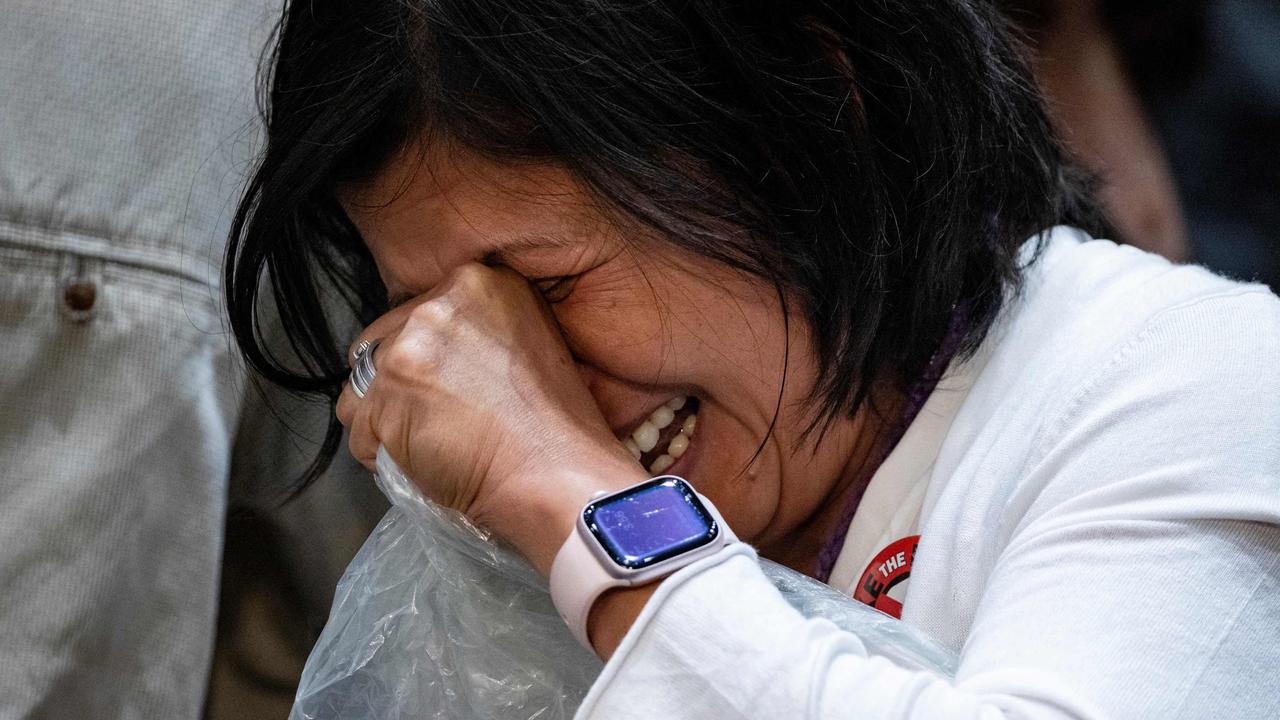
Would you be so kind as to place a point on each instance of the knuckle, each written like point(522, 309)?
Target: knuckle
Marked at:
point(470, 281)
point(472, 275)
point(434, 314)
point(407, 357)
point(392, 356)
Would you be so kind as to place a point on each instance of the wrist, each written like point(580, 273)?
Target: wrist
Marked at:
point(541, 523)
point(613, 614)
point(631, 537)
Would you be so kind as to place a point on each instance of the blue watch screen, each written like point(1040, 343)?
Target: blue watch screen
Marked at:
point(651, 522)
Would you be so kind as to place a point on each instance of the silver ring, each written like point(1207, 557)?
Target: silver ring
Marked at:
point(362, 369)
point(360, 350)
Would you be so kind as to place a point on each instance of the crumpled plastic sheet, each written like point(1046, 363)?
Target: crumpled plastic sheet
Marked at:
point(434, 619)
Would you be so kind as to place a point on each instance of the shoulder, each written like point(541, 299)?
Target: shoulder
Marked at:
point(1094, 293)
point(1101, 300)
point(1122, 378)
point(1086, 305)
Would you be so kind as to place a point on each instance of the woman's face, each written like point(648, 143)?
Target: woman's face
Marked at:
point(647, 323)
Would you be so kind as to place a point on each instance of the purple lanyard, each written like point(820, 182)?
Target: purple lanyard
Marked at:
point(916, 399)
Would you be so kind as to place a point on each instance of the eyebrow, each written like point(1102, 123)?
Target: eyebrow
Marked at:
point(497, 256)
point(502, 255)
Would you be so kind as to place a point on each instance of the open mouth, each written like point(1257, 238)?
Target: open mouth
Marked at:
point(665, 435)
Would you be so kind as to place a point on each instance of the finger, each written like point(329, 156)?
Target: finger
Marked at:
point(384, 326)
point(345, 408)
point(355, 414)
point(362, 442)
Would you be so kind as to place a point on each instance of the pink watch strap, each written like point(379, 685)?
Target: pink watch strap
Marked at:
point(577, 579)
point(579, 576)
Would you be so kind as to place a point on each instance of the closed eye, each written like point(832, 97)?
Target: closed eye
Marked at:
point(557, 288)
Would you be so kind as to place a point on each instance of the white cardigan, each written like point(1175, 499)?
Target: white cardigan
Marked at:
point(1100, 531)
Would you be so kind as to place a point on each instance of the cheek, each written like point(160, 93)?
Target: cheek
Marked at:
point(671, 327)
point(623, 335)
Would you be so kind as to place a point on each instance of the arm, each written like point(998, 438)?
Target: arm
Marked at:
point(1130, 588)
point(614, 614)
point(1159, 479)
point(1034, 654)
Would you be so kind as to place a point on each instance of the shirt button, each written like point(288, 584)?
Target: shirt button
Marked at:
point(79, 297)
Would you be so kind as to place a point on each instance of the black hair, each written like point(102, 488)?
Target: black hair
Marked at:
point(880, 162)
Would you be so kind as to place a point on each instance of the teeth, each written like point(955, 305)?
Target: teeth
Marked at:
point(662, 463)
point(646, 436)
point(678, 445)
point(689, 423)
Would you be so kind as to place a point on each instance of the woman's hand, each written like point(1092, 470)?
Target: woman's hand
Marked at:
point(479, 401)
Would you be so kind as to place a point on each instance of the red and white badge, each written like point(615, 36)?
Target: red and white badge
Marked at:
point(883, 584)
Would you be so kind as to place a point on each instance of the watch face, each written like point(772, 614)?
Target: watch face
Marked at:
point(651, 522)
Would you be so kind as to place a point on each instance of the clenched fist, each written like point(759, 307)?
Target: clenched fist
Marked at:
point(479, 401)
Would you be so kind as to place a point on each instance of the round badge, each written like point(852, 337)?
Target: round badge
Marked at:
point(881, 584)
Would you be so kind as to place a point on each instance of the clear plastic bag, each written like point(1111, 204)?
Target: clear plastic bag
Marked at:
point(434, 619)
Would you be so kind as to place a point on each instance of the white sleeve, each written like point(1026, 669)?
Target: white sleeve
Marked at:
point(717, 640)
point(1143, 581)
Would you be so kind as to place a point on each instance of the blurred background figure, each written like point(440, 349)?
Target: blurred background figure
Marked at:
point(1175, 104)
point(126, 131)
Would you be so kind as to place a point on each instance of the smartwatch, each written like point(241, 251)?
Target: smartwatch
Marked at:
point(632, 537)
